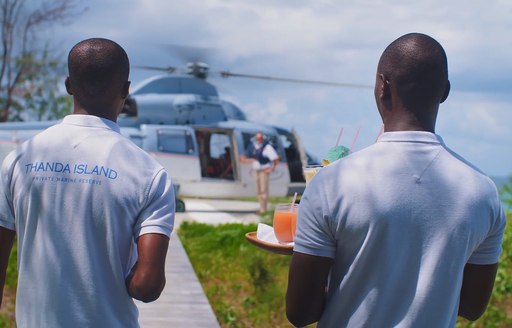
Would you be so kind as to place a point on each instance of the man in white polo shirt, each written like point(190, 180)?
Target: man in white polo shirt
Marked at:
point(92, 212)
point(404, 233)
point(264, 161)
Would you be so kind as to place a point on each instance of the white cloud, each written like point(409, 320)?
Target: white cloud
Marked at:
point(334, 41)
point(477, 126)
point(274, 111)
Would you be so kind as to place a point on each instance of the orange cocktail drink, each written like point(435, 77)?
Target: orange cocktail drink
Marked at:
point(285, 222)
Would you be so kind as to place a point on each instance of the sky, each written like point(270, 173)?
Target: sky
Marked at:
point(339, 41)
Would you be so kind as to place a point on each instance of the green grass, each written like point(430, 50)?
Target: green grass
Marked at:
point(7, 311)
point(246, 286)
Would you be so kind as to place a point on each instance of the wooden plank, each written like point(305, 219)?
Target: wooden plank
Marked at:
point(183, 303)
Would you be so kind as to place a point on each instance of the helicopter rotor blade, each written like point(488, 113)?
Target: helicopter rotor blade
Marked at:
point(190, 53)
point(226, 74)
point(169, 69)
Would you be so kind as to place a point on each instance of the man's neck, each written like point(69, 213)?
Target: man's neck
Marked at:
point(107, 115)
point(400, 126)
point(408, 122)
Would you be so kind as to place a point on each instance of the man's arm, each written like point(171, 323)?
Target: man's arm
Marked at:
point(147, 278)
point(6, 242)
point(246, 160)
point(271, 154)
point(274, 164)
point(477, 284)
point(307, 282)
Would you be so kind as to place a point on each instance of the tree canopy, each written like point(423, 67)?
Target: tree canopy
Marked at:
point(29, 69)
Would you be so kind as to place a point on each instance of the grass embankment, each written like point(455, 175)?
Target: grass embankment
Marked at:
point(7, 310)
point(246, 286)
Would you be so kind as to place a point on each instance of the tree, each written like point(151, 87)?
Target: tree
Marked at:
point(28, 71)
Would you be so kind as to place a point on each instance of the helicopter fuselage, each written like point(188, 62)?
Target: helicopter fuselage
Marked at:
point(199, 138)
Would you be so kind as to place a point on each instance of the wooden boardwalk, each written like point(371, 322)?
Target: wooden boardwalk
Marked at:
point(183, 303)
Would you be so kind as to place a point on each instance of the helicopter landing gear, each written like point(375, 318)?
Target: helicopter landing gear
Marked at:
point(180, 205)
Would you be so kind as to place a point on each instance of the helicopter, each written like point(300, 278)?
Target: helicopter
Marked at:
point(200, 139)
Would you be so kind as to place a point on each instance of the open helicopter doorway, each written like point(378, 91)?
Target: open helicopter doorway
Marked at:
point(216, 154)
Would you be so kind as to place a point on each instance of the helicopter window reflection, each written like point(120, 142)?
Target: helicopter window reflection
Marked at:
point(178, 142)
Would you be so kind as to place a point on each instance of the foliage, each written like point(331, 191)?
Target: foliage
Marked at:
point(40, 97)
point(499, 312)
point(11, 280)
point(244, 284)
point(28, 71)
point(7, 313)
point(506, 193)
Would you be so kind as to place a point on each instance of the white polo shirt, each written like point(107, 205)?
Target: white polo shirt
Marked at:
point(401, 219)
point(268, 152)
point(78, 195)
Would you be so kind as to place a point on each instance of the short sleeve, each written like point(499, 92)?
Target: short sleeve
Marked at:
point(158, 214)
point(488, 252)
point(7, 219)
point(314, 236)
point(270, 152)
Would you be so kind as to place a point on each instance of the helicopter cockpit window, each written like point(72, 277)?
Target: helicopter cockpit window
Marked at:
point(178, 142)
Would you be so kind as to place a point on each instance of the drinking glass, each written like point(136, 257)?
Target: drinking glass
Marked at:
point(285, 222)
point(310, 171)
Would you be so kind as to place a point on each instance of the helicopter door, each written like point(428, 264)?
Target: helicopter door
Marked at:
point(292, 149)
point(215, 154)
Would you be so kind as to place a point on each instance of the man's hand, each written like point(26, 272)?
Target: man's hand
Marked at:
point(147, 277)
point(6, 242)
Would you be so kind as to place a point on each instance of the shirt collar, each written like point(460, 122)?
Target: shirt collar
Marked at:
point(91, 121)
point(411, 136)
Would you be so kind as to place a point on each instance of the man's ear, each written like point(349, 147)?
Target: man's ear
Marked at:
point(67, 83)
point(446, 92)
point(383, 87)
point(126, 89)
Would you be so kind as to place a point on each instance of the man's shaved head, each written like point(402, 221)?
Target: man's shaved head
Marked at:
point(417, 65)
point(98, 70)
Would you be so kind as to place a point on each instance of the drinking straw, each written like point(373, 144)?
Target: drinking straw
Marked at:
point(354, 141)
point(339, 136)
point(380, 132)
point(293, 202)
